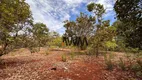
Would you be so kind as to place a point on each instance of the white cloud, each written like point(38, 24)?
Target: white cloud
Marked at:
point(108, 4)
point(54, 12)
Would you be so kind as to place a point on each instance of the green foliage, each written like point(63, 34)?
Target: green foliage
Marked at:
point(139, 73)
point(136, 67)
point(80, 29)
point(33, 50)
point(110, 45)
point(135, 50)
point(135, 63)
point(14, 16)
point(129, 13)
point(56, 42)
point(139, 62)
point(104, 33)
point(89, 51)
point(83, 26)
point(90, 7)
point(38, 37)
point(40, 33)
point(97, 9)
point(103, 38)
point(132, 50)
point(64, 58)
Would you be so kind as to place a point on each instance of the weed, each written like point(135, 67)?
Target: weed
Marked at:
point(136, 67)
point(72, 55)
point(90, 51)
point(122, 64)
point(12, 54)
point(34, 50)
point(108, 62)
point(139, 62)
point(139, 73)
point(46, 52)
point(64, 58)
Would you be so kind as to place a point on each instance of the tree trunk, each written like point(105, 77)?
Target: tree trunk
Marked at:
point(97, 50)
point(4, 49)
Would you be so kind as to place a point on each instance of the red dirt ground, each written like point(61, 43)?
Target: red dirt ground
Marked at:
point(21, 65)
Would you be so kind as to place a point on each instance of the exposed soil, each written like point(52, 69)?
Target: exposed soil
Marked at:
point(21, 65)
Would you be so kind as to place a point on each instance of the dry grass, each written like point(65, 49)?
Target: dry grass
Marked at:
point(22, 65)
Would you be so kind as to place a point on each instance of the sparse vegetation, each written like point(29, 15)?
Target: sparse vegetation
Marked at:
point(122, 64)
point(91, 41)
point(47, 52)
point(72, 55)
point(108, 62)
point(64, 58)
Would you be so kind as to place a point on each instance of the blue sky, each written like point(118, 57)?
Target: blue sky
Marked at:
point(54, 12)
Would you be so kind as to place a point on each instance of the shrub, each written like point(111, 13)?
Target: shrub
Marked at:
point(108, 62)
point(135, 50)
point(111, 45)
point(56, 42)
point(122, 64)
point(33, 50)
point(90, 51)
point(139, 73)
point(64, 58)
point(139, 62)
point(72, 55)
point(46, 52)
point(132, 50)
point(136, 67)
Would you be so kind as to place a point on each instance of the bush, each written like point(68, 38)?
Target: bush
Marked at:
point(139, 73)
point(111, 45)
point(72, 55)
point(139, 62)
point(46, 52)
point(132, 50)
point(136, 67)
point(122, 64)
point(34, 50)
point(64, 58)
point(108, 62)
point(56, 42)
point(90, 51)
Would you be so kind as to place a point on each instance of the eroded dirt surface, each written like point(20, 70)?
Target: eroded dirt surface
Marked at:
point(37, 66)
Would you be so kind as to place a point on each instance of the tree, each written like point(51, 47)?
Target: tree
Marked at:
point(40, 33)
point(104, 33)
point(15, 14)
point(98, 10)
point(104, 38)
point(80, 29)
point(130, 14)
point(129, 11)
point(83, 26)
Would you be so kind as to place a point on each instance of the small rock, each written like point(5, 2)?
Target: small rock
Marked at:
point(65, 68)
point(54, 69)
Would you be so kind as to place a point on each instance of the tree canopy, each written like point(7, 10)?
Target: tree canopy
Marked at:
point(129, 12)
point(14, 15)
